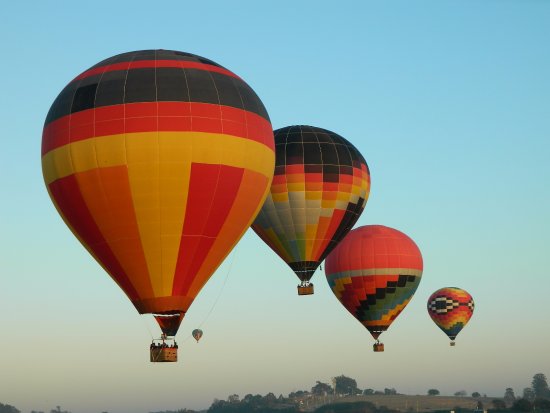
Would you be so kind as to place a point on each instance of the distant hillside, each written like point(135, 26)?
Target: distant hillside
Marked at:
point(404, 403)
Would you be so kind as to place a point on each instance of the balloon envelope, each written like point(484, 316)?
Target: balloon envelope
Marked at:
point(319, 190)
point(451, 308)
point(374, 272)
point(158, 161)
point(197, 334)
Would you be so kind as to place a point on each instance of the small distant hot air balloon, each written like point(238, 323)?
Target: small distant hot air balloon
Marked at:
point(451, 308)
point(319, 190)
point(158, 161)
point(197, 334)
point(374, 272)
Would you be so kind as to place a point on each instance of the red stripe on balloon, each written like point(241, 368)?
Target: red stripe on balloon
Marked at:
point(212, 192)
point(142, 64)
point(156, 116)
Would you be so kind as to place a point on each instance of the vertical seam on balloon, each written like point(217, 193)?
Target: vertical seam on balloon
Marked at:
point(320, 209)
point(223, 230)
point(188, 94)
point(264, 217)
point(203, 235)
point(184, 212)
point(218, 95)
point(128, 171)
point(323, 237)
point(348, 224)
point(243, 108)
point(304, 257)
point(94, 146)
point(279, 229)
point(159, 197)
point(215, 188)
point(280, 234)
point(293, 236)
point(338, 187)
point(328, 238)
point(70, 128)
point(200, 235)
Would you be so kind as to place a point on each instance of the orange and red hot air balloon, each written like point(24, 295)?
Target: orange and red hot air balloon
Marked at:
point(158, 161)
point(374, 272)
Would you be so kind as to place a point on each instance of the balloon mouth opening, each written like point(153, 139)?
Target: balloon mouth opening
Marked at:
point(304, 269)
point(174, 313)
point(375, 332)
point(169, 321)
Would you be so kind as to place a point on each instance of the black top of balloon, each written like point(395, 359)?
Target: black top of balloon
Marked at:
point(155, 54)
point(155, 76)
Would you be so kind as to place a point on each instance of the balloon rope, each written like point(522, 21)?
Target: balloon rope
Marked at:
point(215, 301)
point(223, 286)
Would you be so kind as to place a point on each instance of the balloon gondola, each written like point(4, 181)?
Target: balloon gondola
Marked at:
point(319, 190)
point(158, 161)
point(374, 273)
point(164, 350)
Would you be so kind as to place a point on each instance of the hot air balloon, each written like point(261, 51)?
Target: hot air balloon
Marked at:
point(374, 272)
point(320, 188)
point(158, 161)
point(451, 308)
point(197, 334)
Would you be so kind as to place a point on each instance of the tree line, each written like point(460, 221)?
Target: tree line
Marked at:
point(6, 408)
point(534, 398)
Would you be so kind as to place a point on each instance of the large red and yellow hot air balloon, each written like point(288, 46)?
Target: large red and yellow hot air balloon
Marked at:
point(374, 272)
point(319, 190)
point(450, 309)
point(158, 161)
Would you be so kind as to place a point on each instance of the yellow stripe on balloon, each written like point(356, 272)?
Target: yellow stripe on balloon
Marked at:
point(112, 151)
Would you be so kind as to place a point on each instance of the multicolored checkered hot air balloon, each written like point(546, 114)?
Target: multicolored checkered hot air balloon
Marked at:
point(158, 161)
point(451, 308)
point(374, 272)
point(319, 190)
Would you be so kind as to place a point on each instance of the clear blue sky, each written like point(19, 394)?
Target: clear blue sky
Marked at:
point(449, 102)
